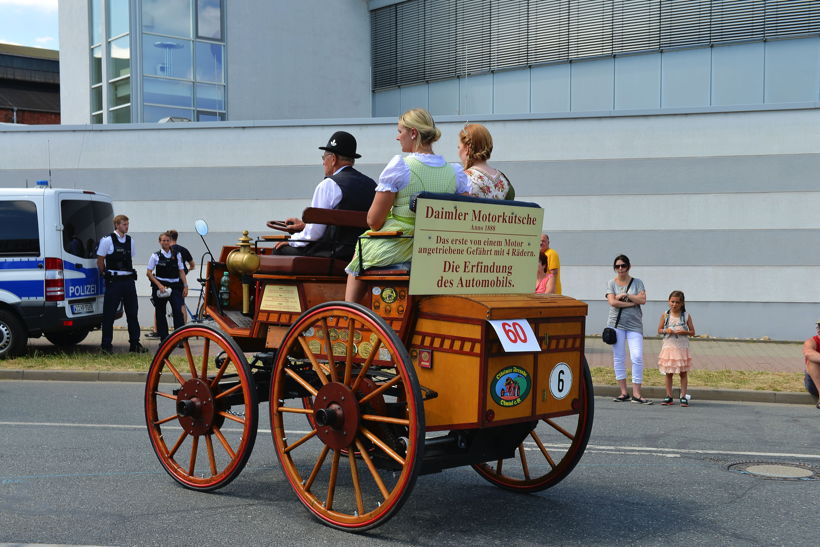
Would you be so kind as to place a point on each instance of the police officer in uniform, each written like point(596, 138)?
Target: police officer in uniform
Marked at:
point(166, 271)
point(342, 188)
point(115, 261)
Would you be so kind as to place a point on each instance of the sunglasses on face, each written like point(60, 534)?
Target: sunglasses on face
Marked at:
point(621, 267)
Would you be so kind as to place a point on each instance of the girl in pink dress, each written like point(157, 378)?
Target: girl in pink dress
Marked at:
point(544, 280)
point(676, 327)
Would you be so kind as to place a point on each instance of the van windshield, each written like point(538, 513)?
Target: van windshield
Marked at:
point(84, 224)
point(19, 235)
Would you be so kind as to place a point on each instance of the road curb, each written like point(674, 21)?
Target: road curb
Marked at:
point(651, 392)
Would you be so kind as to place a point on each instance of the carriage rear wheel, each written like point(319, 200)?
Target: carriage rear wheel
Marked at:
point(201, 407)
point(551, 451)
point(355, 460)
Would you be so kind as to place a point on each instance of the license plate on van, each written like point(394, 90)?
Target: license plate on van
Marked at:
point(85, 307)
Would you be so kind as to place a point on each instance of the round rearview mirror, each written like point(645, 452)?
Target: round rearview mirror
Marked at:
point(201, 227)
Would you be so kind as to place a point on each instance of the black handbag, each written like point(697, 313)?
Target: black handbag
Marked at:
point(609, 336)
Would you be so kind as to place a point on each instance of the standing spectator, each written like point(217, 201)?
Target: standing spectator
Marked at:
point(553, 262)
point(811, 353)
point(627, 294)
point(166, 271)
point(115, 261)
point(475, 145)
point(676, 328)
point(187, 261)
point(544, 281)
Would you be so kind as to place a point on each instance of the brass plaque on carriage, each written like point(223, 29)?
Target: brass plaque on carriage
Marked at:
point(462, 247)
point(280, 298)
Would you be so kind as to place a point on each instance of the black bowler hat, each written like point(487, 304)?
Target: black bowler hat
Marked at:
point(343, 144)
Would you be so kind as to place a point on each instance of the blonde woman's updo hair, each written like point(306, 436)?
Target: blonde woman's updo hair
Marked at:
point(421, 120)
point(478, 141)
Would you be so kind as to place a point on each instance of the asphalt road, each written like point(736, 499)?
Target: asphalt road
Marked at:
point(77, 468)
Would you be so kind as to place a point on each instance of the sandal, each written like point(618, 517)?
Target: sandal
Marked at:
point(621, 399)
point(639, 401)
point(684, 401)
point(667, 401)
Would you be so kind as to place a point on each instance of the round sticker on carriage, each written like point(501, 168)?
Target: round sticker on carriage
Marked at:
point(560, 381)
point(389, 295)
point(510, 386)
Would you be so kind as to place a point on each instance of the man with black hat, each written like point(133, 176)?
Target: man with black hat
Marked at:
point(811, 353)
point(343, 188)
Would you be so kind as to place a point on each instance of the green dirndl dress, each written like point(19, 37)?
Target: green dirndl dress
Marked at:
point(377, 252)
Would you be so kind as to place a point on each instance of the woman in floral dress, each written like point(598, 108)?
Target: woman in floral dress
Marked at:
point(475, 145)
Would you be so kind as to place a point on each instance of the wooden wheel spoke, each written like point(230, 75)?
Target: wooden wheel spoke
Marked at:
point(560, 429)
point(499, 464)
point(349, 359)
point(177, 444)
point(381, 444)
point(294, 410)
point(227, 392)
point(209, 442)
point(372, 468)
point(524, 465)
point(329, 347)
point(367, 363)
point(166, 420)
point(190, 357)
point(174, 371)
point(316, 467)
point(331, 484)
point(192, 463)
point(232, 417)
point(301, 441)
point(542, 448)
point(385, 419)
point(224, 442)
point(354, 477)
point(166, 395)
point(381, 389)
point(302, 382)
point(206, 350)
point(316, 366)
point(220, 372)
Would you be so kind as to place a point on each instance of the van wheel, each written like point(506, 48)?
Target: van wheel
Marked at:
point(13, 336)
point(67, 338)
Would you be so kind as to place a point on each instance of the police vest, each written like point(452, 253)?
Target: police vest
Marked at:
point(167, 268)
point(120, 259)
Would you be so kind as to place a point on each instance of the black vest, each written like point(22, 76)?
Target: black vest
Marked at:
point(167, 268)
point(120, 259)
point(358, 191)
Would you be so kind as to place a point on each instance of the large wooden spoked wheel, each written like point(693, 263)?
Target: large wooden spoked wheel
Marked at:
point(551, 451)
point(201, 407)
point(354, 461)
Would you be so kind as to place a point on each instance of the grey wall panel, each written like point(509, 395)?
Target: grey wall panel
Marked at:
point(592, 85)
point(386, 103)
point(414, 96)
point(685, 78)
point(444, 97)
point(476, 95)
point(737, 74)
point(672, 247)
point(792, 70)
point(511, 91)
point(638, 82)
point(550, 88)
point(790, 172)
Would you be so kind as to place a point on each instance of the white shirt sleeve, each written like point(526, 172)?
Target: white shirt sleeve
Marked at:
point(152, 262)
point(106, 247)
point(462, 180)
point(395, 176)
point(327, 195)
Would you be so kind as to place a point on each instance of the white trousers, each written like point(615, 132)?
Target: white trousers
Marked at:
point(635, 341)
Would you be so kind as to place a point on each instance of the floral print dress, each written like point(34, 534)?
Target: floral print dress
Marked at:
point(486, 186)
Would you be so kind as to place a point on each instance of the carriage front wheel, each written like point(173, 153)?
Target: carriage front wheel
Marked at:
point(201, 407)
point(551, 451)
point(354, 461)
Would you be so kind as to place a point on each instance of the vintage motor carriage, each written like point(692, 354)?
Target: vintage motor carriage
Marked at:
point(365, 398)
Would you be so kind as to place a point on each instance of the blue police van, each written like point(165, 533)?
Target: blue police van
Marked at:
point(49, 283)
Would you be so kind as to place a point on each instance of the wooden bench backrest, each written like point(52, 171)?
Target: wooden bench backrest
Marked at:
point(335, 217)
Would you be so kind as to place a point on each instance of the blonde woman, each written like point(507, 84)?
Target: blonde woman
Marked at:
point(475, 145)
point(421, 170)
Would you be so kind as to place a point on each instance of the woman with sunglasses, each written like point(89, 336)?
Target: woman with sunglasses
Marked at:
point(626, 294)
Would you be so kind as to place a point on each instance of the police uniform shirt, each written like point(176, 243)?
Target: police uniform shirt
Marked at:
point(107, 247)
point(152, 265)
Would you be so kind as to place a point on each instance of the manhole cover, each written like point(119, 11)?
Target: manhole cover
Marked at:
point(776, 470)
